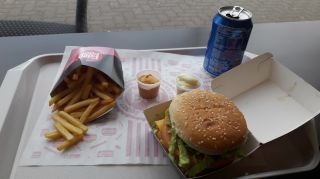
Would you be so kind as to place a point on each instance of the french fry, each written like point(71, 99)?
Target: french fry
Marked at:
point(58, 96)
point(68, 143)
point(99, 87)
point(66, 124)
point(67, 80)
point(92, 95)
point(115, 89)
point(87, 79)
point(79, 105)
point(73, 121)
point(65, 99)
point(75, 98)
point(89, 75)
point(105, 84)
point(63, 131)
point(103, 80)
point(53, 99)
point(76, 83)
point(55, 107)
point(86, 91)
point(76, 74)
point(105, 102)
point(76, 114)
point(78, 71)
point(87, 112)
point(102, 95)
point(83, 108)
point(53, 135)
point(100, 111)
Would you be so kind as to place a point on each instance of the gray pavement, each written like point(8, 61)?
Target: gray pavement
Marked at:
point(121, 15)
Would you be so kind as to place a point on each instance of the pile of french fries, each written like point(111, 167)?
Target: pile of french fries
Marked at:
point(82, 97)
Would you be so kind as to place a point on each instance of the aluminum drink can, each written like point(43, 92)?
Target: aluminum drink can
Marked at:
point(230, 32)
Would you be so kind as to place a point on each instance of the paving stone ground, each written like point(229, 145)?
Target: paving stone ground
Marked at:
point(121, 15)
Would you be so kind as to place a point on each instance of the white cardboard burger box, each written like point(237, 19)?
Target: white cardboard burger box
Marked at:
point(273, 99)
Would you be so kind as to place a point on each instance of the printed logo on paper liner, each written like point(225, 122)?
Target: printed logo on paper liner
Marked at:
point(105, 153)
point(90, 137)
point(36, 154)
point(108, 131)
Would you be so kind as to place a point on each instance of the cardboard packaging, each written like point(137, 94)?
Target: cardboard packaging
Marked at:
point(273, 99)
point(104, 59)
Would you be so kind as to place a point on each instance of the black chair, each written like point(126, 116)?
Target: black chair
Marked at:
point(22, 28)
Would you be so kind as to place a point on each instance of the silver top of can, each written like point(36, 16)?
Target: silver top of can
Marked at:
point(235, 13)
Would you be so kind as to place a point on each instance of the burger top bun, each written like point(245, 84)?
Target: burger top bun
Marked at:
point(208, 122)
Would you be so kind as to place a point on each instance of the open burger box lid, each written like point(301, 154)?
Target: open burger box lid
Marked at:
point(273, 99)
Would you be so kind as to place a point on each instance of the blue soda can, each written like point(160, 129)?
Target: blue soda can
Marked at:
point(230, 33)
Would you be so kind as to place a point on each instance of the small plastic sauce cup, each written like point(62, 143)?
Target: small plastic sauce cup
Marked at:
point(148, 91)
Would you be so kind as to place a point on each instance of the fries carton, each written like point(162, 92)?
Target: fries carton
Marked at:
point(273, 99)
point(99, 66)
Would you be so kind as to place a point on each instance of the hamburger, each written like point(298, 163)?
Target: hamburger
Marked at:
point(201, 131)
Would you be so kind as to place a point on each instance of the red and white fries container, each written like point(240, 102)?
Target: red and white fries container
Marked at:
point(103, 59)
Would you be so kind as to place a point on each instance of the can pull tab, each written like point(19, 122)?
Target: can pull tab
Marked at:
point(236, 11)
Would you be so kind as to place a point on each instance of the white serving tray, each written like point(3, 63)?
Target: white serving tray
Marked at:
point(26, 86)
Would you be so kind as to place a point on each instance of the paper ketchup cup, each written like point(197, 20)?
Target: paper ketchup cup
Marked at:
point(148, 91)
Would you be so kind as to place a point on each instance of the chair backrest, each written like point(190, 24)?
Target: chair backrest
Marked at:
point(22, 27)
point(81, 16)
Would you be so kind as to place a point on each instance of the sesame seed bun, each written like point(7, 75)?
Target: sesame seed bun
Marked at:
point(208, 122)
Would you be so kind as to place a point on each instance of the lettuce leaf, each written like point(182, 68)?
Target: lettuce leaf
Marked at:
point(173, 137)
point(233, 153)
point(200, 166)
point(239, 153)
point(184, 159)
point(173, 144)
